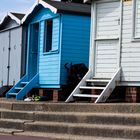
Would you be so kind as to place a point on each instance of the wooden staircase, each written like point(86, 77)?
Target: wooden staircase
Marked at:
point(22, 87)
point(97, 88)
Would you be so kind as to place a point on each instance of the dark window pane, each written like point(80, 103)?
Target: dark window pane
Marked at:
point(48, 35)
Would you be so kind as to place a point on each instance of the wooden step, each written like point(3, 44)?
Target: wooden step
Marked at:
point(89, 87)
point(97, 80)
point(86, 95)
point(18, 88)
point(24, 83)
point(12, 94)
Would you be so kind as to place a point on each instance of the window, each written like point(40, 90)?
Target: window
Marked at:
point(48, 35)
point(136, 21)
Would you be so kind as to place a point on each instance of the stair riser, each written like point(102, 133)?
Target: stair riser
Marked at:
point(6, 105)
point(62, 107)
point(11, 125)
point(85, 131)
point(96, 119)
point(17, 115)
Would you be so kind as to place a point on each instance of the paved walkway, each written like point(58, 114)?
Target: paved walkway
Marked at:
point(11, 137)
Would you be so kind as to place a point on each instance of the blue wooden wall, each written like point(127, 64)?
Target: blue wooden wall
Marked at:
point(48, 63)
point(75, 41)
point(70, 43)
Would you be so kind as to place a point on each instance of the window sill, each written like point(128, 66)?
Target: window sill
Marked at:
point(51, 52)
point(136, 39)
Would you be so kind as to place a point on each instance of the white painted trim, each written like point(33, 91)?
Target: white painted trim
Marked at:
point(12, 17)
point(77, 89)
point(44, 4)
point(110, 87)
point(129, 84)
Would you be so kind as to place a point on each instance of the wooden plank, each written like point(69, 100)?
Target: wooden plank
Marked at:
point(86, 95)
point(87, 87)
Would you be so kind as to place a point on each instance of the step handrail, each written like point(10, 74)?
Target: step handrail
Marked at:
point(77, 89)
point(32, 83)
point(110, 87)
point(23, 79)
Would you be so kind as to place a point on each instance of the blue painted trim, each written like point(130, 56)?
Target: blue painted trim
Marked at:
point(38, 46)
point(60, 44)
point(32, 83)
point(49, 86)
point(12, 90)
point(28, 48)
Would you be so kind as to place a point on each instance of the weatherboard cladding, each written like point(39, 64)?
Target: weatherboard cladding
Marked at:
point(130, 56)
point(10, 37)
point(130, 43)
point(51, 64)
point(75, 42)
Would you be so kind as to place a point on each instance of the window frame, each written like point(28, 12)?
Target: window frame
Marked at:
point(134, 10)
point(45, 35)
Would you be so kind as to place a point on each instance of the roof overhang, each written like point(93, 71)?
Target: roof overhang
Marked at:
point(38, 2)
point(87, 1)
point(12, 17)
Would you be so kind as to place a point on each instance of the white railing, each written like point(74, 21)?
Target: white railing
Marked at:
point(77, 89)
point(110, 87)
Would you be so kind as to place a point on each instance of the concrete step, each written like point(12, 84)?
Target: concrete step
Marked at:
point(115, 131)
point(22, 115)
point(89, 118)
point(67, 136)
point(70, 107)
point(9, 131)
point(12, 124)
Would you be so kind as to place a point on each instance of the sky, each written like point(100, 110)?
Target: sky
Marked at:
point(14, 6)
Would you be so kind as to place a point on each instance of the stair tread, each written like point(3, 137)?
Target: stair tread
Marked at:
point(9, 130)
point(86, 95)
point(91, 87)
point(24, 82)
point(67, 136)
point(85, 125)
point(18, 87)
point(12, 93)
point(97, 80)
point(14, 120)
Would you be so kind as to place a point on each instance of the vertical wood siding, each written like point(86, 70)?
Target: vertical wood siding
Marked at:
point(15, 55)
point(75, 42)
point(4, 45)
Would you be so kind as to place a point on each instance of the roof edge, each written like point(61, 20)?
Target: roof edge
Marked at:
point(86, 1)
point(44, 4)
point(12, 17)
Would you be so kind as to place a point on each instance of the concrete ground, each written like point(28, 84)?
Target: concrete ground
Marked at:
point(11, 137)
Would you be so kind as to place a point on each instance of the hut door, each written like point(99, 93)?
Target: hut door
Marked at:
point(33, 55)
point(107, 38)
point(4, 58)
point(15, 56)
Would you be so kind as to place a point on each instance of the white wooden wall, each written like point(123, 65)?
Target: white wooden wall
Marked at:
point(130, 45)
point(130, 56)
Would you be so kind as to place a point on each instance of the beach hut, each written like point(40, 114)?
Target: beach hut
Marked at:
point(58, 33)
point(114, 51)
point(12, 49)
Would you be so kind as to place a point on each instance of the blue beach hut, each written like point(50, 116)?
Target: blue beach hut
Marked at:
point(58, 33)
